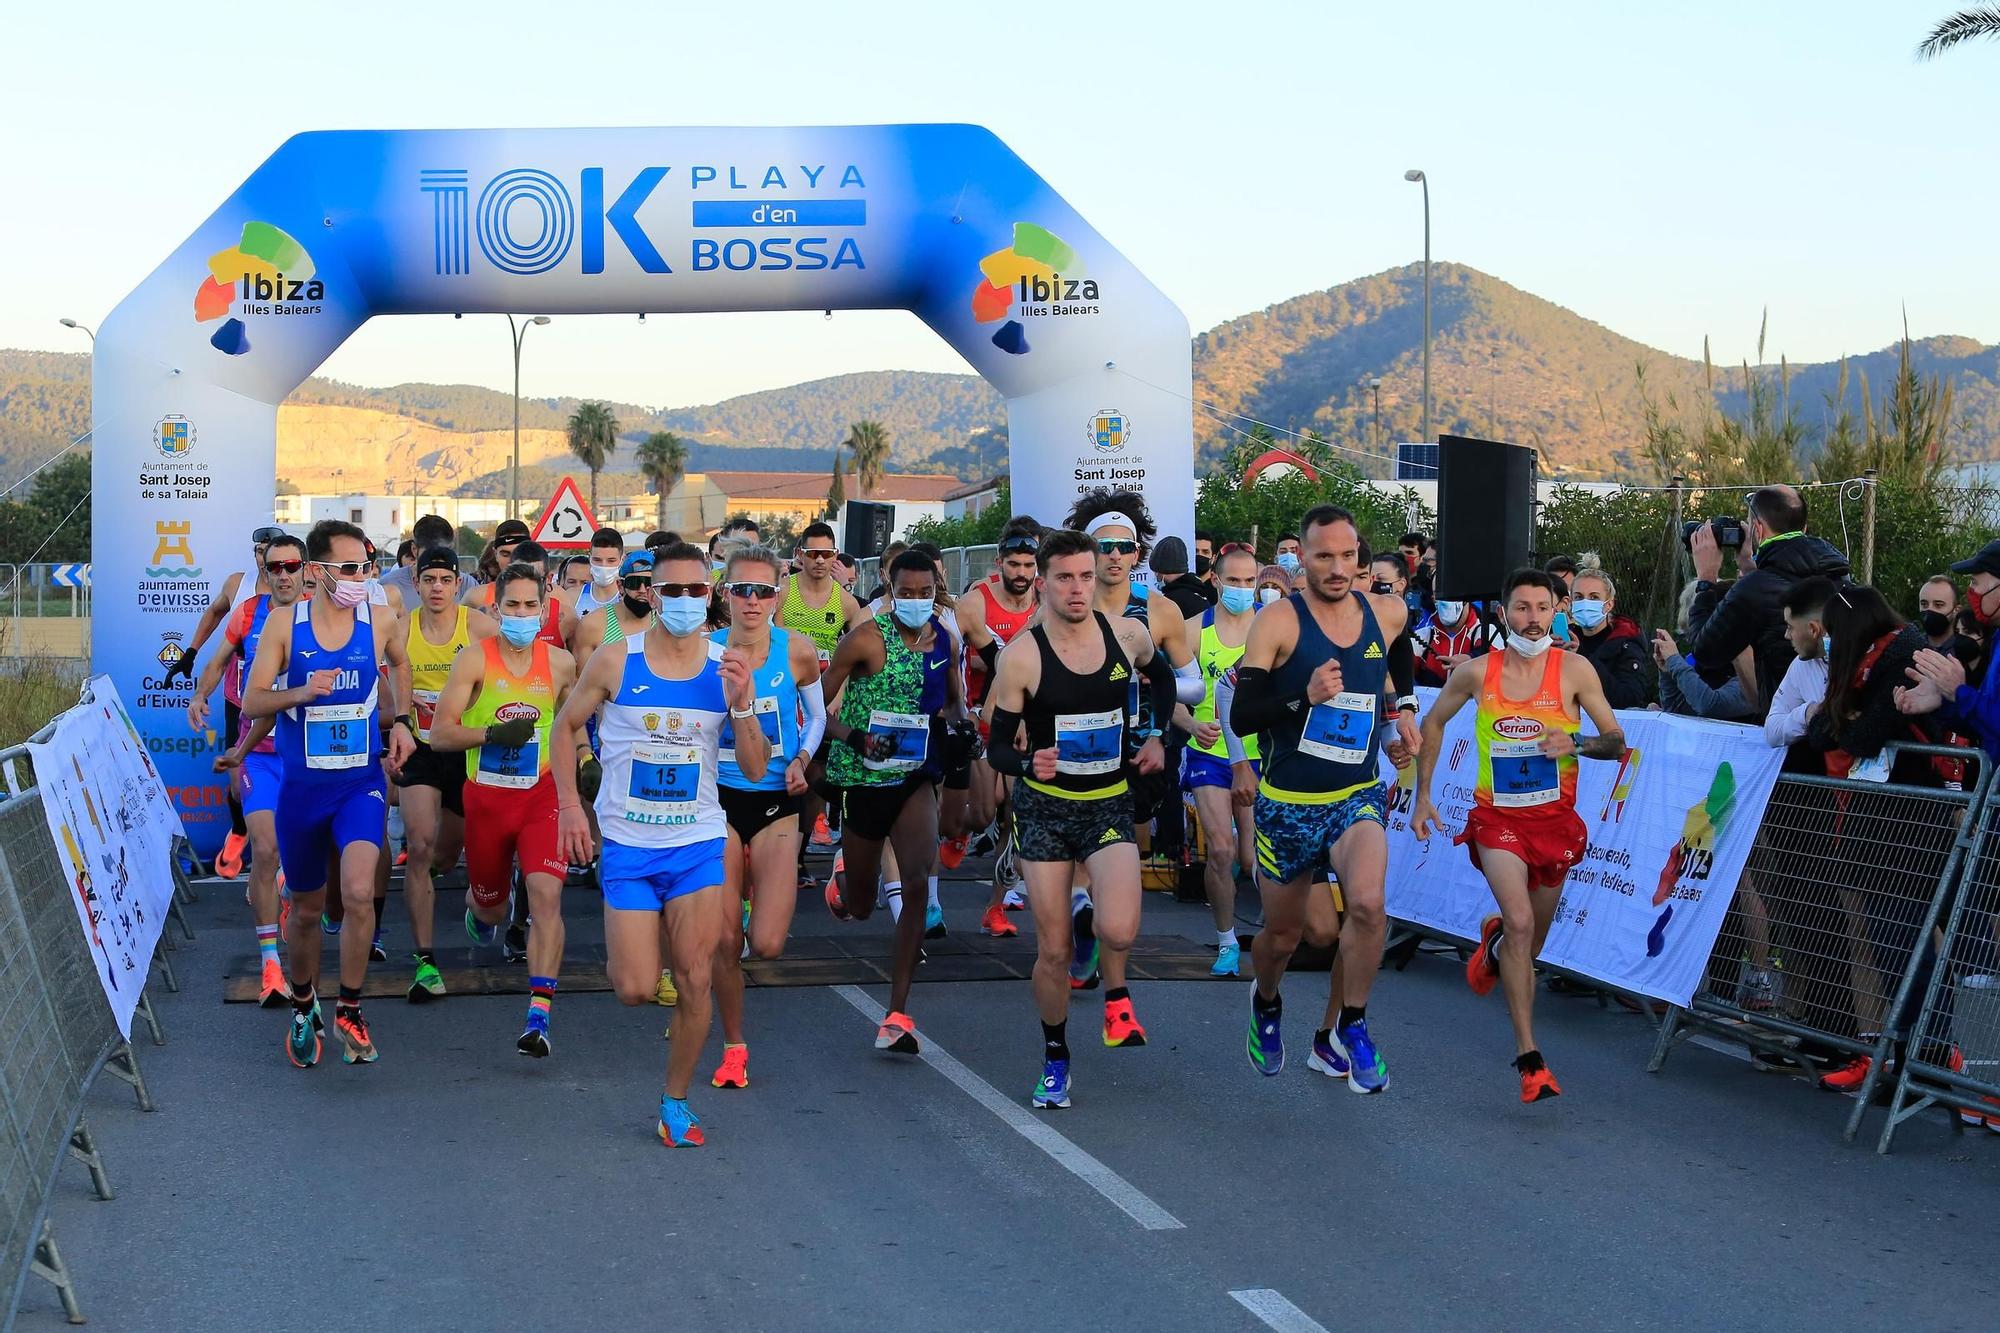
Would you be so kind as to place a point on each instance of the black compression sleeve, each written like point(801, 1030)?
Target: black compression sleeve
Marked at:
point(1257, 708)
point(1160, 678)
point(989, 654)
point(1000, 751)
point(1402, 665)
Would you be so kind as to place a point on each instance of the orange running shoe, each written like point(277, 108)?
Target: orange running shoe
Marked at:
point(229, 861)
point(1539, 1085)
point(833, 883)
point(995, 923)
point(951, 852)
point(1847, 1077)
point(353, 1031)
point(1120, 1027)
point(1482, 970)
point(822, 836)
point(734, 1071)
point(275, 991)
point(898, 1033)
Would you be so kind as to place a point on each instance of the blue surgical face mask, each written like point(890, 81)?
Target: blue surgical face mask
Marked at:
point(1450, 613)
point(1587, 612)
point(520, 631)
point(1288, 561)
point(1238, 600)
point(684, 615)
point(913, 612)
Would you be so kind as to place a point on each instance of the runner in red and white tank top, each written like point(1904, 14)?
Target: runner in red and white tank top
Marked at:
point(990, 615)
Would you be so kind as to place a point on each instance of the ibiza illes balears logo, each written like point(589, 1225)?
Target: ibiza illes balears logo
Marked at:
point(265, 273)
point(1038, 275)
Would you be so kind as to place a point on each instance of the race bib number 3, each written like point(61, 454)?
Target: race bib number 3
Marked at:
point(912, 734)
point(665, 785)
point(1089, 744)
point(339, 735)
point(766, 709)
point(1523, 775)
point(1340, 730)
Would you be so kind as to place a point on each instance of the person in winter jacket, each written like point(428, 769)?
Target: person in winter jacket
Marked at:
point(1608, 641)
point(1776, 553)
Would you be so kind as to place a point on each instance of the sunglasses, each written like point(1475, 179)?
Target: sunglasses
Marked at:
point(762, 592)
point(262, 536)
point(1231, 548)
point(1117, 546)
point(1020, 546)
point(636, 582)
point(700, 590)
point(814, 553)
point(284, 566)
point(345, 568)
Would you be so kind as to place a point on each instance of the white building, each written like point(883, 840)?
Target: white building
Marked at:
point(385, 518)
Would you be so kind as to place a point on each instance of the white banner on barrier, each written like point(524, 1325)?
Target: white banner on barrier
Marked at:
point(114, 828)
point(1670, 830)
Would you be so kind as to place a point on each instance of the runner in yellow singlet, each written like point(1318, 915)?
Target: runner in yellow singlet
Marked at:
point(1220, 771)
point(433, 814)
point(814, 604)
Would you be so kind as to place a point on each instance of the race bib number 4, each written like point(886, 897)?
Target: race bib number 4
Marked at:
point(1341, 730)
point(339, 735)
point(766, 709)
point(1089, 744)
point(1522, 775)
point(912, 735)
point(665, 785)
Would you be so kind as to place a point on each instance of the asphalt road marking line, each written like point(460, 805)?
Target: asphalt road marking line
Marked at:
point(1022, 1121)
point(1276, 1312)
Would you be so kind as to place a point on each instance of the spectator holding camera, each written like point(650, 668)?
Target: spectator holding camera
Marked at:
point(1773, 551)
point(1608, 641)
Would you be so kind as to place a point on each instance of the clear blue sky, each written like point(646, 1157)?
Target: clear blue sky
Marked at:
point(1665, 170)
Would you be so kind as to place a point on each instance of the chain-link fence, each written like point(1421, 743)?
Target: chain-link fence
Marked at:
point(1830, 931)
point(60, 1035)
point(963, 567)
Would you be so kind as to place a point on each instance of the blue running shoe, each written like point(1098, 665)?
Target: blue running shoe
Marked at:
point(329, 926)
point(1327, 1057)
point(934, 922)
point(480, 933)
point(1083, 973)
point(1053, 1091)
point(679, 1127)
point(302, 1040)
point(1227, 959)
point(1266, 1043)
point(1366, 1070)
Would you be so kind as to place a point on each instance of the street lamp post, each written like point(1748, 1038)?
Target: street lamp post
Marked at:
point(1375, 437)
point(1423, 180)
point(72, 324)
point(520, 333)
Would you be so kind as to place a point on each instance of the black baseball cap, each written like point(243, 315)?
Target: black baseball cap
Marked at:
point(438, 557)
point(510, 530)
point(1986, 562)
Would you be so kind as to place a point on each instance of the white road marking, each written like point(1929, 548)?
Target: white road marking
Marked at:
point(1018, 1118)
point(1276, 1312)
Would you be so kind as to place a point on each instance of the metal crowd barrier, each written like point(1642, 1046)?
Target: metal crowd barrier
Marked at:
point(1956, 1060)
point(61, 1036)
point(1834, 918)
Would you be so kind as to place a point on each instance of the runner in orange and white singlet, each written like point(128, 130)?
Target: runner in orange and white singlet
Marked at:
point(1523, 832)
point(990, 616)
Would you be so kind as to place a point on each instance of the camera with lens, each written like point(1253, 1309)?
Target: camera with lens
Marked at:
point(1727, 528)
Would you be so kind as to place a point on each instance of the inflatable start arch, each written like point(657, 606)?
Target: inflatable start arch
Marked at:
point(941, 220)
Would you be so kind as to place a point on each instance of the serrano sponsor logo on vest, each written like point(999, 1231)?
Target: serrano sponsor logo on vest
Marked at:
point(514, 711)
point(1517, 728)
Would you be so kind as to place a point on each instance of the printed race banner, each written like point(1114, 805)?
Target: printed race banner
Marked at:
point(114, 828)
point(1670, 830)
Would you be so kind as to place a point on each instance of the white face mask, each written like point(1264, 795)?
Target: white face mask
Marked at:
point(1529, 647)
point(604, 575)
point(1266, 596)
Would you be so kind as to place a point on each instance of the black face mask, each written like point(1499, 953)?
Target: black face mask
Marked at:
point(1201, 566)
point(1935, 623)
point(638, 606)
point(1381, 589)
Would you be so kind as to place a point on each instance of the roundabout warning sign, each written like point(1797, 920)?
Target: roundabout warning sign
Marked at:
point(566, 522)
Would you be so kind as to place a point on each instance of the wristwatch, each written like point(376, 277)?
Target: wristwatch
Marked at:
point(1703, 585)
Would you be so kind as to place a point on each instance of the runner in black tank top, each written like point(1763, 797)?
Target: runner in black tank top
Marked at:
point(1067, 681)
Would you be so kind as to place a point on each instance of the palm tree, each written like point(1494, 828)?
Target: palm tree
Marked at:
point(836, 492)
point(1963, 26)
point(593, 438)
point(869, 443)
point(663, 462)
